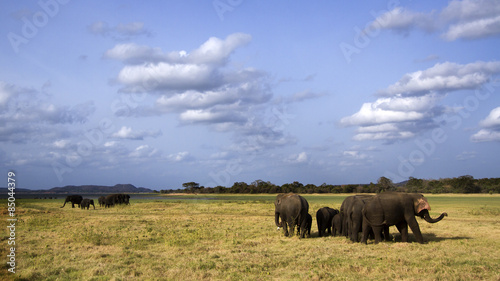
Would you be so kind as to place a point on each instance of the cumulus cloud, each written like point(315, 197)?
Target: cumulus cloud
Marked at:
point(466, 19)
point(444, 77)
point(150, 69)
point(402, 20)
point(471, 19)
point(410, 105)
point(201, 87)
point(297, 158)
point(490, 128)
point(127, 133)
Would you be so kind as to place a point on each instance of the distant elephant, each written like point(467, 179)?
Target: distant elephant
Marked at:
point(337, 225)
point(324, 218)
point(86, 203)
point(102, 201)
point(114, 199)
point(74, 199)
point(399, 209)
point(292, 209)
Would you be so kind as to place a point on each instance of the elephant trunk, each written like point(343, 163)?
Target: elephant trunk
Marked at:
point(428, 218)
point(64, 204)
point(277, 219)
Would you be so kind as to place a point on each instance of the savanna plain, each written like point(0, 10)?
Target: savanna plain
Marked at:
point(233, 237)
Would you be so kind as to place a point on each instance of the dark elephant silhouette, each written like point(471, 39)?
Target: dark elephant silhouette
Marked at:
point(74, 199)
point(86, 203)
point(102, 201)
point(117, 199)
point(324, 218)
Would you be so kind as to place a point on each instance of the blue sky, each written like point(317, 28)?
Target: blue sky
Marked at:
point(221, 91)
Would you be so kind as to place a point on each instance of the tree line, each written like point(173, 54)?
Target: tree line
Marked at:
point(462, 184)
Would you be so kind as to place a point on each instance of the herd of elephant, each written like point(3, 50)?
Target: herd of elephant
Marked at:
point(104, 201)
point(370, 215)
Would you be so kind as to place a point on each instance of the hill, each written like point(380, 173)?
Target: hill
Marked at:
point(83, 189)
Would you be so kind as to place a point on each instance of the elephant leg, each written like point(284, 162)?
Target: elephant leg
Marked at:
point(291, 229)
point(403, 229)
point(377, 232)
point(285, 228)
point(387, 235)
point(416, 230)
point(366, 231)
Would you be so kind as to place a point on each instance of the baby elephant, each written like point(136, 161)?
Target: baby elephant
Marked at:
point(86, 203)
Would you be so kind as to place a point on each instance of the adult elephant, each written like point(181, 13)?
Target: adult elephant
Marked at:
point(86, 203)
point(114, 199)
point(102, 201)
point(399, 209)
point(292, 209)
point(324, 217)
point(74, 199)
point(353, 217)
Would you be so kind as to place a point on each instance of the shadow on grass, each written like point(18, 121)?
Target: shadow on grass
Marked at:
point(428, 237)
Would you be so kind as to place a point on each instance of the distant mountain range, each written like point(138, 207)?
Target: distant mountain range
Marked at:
point(83, 189)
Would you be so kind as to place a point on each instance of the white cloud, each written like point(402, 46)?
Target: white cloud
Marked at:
point(380, 112)
point(60, 143)
point(485, 135)
point(413, 101)
point(471, 19)
point(402, 20)
point(467, 19)
point(144, 151)
point(444, 77)
point(492, 120)
point(179, 156)
point(128, 133)
point(297, 158)
point(491, 127)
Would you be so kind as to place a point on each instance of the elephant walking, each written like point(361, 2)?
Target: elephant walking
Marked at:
point(86, 203)
point(324, 217)
point(399, 209)
point(293, 210)
point(74, 199)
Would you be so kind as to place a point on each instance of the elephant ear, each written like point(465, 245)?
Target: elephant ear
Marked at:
point(421, 204)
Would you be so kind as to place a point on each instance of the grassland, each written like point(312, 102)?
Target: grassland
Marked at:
point(233, 237)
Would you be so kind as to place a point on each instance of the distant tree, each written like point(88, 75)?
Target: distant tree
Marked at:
point(466, 184)
point(385, 184)
point(191, 187)
point(415, 185)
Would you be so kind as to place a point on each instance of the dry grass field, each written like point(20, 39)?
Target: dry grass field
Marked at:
point(233, 237)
